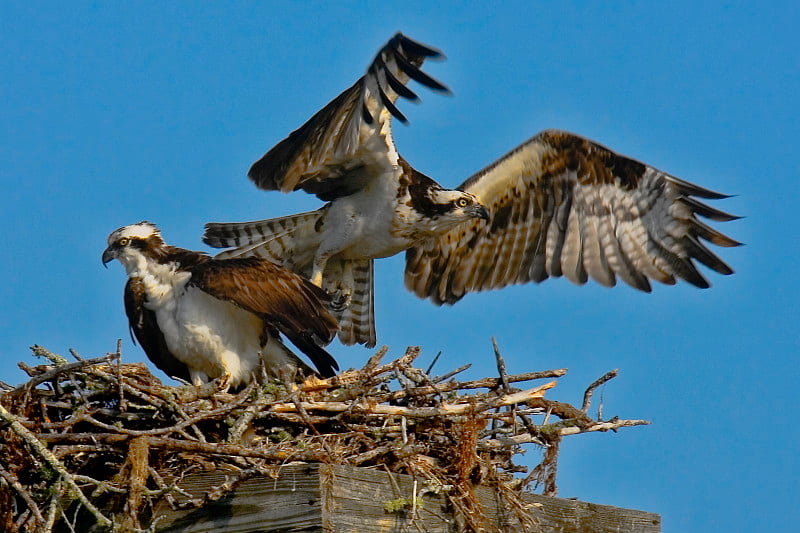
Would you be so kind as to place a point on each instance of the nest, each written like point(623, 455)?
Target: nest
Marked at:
point(100, 441)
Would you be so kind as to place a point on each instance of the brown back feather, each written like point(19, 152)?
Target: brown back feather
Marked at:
point(289, 302)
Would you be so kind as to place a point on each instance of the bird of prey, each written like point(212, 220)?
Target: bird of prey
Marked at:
point(558, 204)
point(199, 318)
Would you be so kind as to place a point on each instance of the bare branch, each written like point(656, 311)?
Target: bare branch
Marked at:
point(587, 396)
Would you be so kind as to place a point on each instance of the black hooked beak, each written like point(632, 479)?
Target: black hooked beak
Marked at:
point(109, 254)
point(481, 212)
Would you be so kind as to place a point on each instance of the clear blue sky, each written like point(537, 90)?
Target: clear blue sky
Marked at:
point(111, 113)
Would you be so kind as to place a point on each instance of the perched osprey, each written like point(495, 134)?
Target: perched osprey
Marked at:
point(558, 204)
point(199, 318)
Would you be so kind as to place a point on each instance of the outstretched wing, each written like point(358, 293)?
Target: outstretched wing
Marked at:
point(353, 131)
point(145, 329)
point(563, 205)
point(287, 302)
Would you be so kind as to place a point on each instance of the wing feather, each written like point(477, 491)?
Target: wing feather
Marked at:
point(286, 301)
point(572, 253)
point(353, 131)
point(572, 207)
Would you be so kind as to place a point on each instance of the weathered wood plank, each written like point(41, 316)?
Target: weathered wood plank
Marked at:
point(329, 498)
point(557, 515)
point(356, 499)
point(290, 503)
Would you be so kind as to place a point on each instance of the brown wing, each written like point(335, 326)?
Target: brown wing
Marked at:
point(323, 156)
point(563, 205)
point(287, 302)
point(145, 329)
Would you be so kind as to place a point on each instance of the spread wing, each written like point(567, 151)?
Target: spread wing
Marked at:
point(145, 329)
point(285, 301)
point(563, 205)
point(353, 131)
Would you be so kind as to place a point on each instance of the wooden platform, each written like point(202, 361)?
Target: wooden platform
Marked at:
point(330, 498)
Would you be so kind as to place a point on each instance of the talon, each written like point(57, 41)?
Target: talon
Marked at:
point(340, 300)
point(222, 382)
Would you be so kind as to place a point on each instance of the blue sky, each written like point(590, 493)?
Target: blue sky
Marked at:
point(112, 113)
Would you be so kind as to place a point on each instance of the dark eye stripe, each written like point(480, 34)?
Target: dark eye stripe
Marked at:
point(138, 243)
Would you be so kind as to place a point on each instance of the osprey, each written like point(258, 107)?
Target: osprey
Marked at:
point(558, 204)
point(199, 318)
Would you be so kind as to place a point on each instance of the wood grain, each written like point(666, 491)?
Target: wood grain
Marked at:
point(330, 498)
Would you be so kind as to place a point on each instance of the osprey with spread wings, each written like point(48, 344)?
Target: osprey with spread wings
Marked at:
point(558, 204)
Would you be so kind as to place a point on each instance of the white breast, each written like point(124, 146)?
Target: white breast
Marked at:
point(363, 225)
point(210, 336)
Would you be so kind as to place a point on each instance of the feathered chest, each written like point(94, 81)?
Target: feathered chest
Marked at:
point(163, 286)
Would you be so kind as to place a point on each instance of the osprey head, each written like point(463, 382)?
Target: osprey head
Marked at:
point(448, 207)
point(133, 244)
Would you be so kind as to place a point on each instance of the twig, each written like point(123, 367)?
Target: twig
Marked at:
point(484, 383)
point(448, 375)
point(61, 369)
point(447, 409)
point(587, 396)
point(600, 426)
point(433, 363)
point(501, 367)
point(40, 351)
point(375, 360)
point(123, 404)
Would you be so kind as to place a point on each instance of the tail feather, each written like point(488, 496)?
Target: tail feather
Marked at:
point(288, 241)
point(325, 363)
point(280, 360)
point(357, 316)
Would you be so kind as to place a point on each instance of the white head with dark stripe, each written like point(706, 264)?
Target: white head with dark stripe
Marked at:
point(441, 209)
point(134, 245)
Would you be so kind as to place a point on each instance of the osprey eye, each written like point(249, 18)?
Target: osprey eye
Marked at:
point(462, 202)
point(124, 241)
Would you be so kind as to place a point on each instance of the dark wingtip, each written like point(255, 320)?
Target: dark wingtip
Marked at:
point(413, 72)
point(388, 104)
point(417, 48)
point(687, 187)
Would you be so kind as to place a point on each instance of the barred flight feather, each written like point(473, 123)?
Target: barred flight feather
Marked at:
point(587, 212)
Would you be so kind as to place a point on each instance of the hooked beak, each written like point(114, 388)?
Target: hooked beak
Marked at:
point(109, 254)
point(480, 211)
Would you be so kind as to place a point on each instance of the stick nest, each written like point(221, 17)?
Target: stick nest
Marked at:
point(98, 441)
